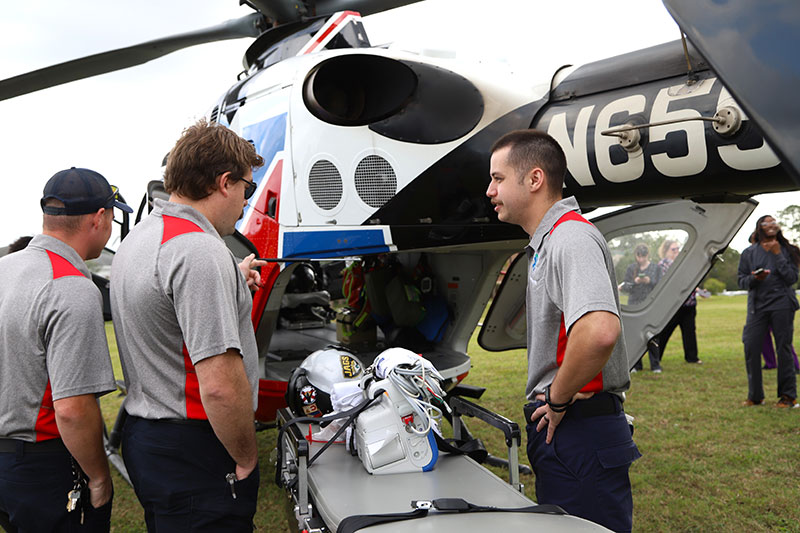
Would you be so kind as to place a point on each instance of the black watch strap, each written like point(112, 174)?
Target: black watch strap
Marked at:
point(555, 407)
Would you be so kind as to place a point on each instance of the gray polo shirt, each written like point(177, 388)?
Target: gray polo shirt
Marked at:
point(570, 273)
point(52, 337)
point(177, 297)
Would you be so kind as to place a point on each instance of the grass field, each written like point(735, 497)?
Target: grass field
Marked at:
point(708, 464)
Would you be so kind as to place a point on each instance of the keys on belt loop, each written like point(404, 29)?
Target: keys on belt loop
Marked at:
point(78, 486)
point(231, 479)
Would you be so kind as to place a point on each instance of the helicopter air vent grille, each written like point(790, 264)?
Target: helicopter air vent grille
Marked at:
point(325, 185)
point(376, 181)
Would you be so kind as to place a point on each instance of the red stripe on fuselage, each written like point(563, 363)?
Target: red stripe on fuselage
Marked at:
point(327, 32)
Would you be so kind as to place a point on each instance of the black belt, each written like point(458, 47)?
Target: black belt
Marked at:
point(45, 446)
point(601, 404)
point(175, 421)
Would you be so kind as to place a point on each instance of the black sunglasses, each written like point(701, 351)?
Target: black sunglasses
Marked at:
point(250, 190)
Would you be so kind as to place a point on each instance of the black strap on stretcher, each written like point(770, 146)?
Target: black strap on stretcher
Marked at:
point(472, 448)
point(443, 505)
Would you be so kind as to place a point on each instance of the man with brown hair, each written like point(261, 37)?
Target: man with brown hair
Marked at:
point(579, 441)
point(181, 308)
point(54, 364)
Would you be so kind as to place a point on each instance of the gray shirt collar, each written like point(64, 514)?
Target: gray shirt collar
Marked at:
point(163, 207)
point(57, 246)
point(556, 211)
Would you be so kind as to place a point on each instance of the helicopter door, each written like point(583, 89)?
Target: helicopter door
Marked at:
point(695, 232)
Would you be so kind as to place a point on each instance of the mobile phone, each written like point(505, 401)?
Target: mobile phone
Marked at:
point(758, 271)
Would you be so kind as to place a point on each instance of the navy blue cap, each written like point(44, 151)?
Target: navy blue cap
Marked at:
point(82, 191)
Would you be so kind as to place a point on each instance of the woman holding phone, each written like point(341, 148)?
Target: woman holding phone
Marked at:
point(768, 269)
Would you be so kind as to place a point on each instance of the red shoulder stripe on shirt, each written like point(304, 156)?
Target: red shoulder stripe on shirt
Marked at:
point(194, 405)
point(596, 385)
point(62, 267)
point(174, 226)
point(46, 427)
point(571, 215)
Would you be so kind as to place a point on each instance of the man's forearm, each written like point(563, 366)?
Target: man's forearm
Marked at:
point(227, 400)
point(589, 346)
point(81, 427)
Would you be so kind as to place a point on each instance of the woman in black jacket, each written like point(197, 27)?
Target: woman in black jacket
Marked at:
point(768, 269)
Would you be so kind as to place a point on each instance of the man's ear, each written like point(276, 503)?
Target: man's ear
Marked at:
point(224, 183)
point(97, 218)
point(535, 179)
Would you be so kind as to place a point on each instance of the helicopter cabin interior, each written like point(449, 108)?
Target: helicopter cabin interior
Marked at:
point(426, 301)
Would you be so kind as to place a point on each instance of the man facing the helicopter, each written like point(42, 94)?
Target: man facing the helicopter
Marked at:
point(579, 441)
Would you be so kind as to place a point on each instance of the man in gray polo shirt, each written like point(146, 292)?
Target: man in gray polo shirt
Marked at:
point(181, 308)
point(579, 441)
point(54, 363)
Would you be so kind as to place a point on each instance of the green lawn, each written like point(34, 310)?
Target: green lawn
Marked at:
point(707, 465)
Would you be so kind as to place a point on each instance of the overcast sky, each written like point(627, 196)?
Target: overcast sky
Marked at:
point(122, 124)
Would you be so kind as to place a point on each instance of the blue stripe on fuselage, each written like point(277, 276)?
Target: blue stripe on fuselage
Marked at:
point(334, 243)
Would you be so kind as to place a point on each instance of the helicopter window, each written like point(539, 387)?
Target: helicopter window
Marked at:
point(642, 261)
point(356, 90)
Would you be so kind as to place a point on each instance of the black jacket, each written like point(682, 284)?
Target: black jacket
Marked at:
point(775, 291)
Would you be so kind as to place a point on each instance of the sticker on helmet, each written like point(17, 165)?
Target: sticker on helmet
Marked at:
point(311, 410)
point(308, 395)
point(350, 366)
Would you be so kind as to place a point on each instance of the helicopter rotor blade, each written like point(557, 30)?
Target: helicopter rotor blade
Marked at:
point(285, 11)
point(364, 7)
point(248, 26)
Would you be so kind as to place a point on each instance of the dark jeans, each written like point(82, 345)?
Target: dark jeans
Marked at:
point(653, 353)
point(758, 324)
point(585, 467)
point(178, 473)
point(685, 318)
point(33, 493)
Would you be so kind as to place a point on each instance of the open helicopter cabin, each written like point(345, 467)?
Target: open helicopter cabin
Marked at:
point(428, 302)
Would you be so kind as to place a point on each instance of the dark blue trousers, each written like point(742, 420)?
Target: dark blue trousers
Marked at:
point(33, 491)
point(178, 473)
point(755, 329)
point(585, 467)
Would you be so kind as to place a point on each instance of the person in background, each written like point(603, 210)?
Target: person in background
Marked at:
point(768, 269)
point(54, 475)
point(768, 351)
point(685, 315)
point(769, 354)
point(19, 244)
point(640, 279)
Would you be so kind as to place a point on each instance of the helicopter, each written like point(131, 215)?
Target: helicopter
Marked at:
point(380, 157)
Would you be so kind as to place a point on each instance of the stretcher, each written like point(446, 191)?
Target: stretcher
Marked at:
point(328, 494)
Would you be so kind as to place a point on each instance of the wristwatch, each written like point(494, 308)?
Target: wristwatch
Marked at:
point(555, 407)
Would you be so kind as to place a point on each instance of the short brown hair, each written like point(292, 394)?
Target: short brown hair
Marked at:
point(69, 224)
point(203, 152)
point(535, 148)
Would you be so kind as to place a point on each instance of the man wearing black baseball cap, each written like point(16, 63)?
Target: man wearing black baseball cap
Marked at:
point(54, 475)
